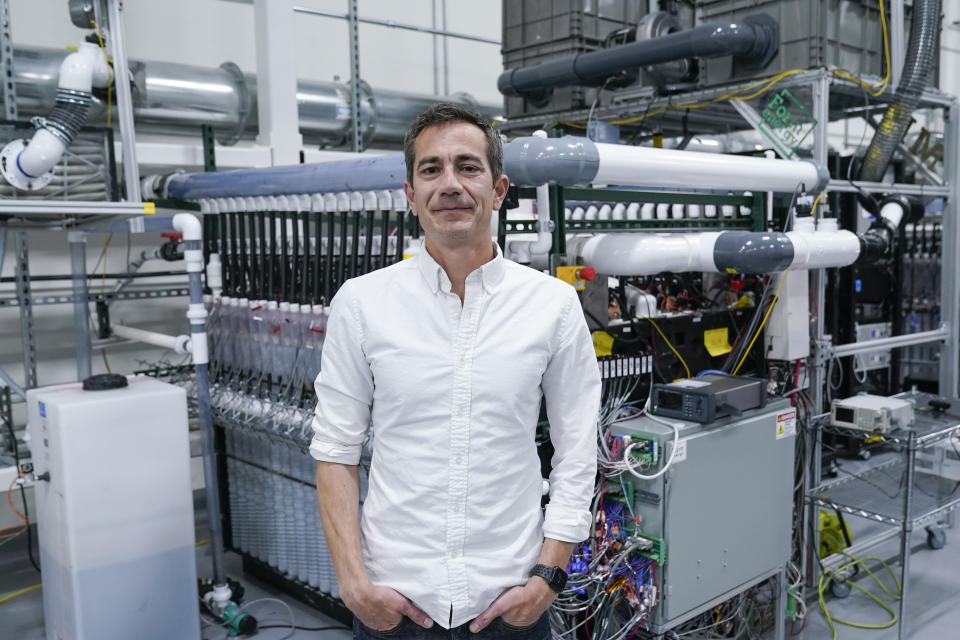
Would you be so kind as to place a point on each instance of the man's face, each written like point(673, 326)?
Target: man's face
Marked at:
point(453, 191)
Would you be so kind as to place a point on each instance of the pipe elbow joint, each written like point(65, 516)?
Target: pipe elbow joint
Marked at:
point(567, 161)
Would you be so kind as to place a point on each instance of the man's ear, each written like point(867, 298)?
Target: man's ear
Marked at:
point(408, 191)
point(500, 186)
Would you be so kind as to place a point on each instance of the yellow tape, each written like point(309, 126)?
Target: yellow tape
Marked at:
point(149, 208)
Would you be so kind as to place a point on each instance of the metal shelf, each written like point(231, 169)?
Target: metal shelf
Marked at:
point(878, 494)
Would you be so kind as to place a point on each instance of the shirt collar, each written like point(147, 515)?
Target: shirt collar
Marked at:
point(491, 273)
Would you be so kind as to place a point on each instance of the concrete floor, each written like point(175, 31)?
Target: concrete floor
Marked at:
point(933, 598)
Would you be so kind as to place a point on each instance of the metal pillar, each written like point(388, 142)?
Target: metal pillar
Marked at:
point(906, 533)
point(277, 81)
point(118, 49)
point(897, 33)
point(356, 140)
point(81, 309)
point(9, 91)
point(22, 270)
point(949, 258)
point(441, 85)
point(815, 363)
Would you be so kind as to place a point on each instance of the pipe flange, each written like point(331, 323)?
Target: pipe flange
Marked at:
point(766, 42)
point(9, 158)
point(243, 104)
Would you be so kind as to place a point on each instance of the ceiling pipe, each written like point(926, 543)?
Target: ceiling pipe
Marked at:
point(753, 43)
point(171, 98)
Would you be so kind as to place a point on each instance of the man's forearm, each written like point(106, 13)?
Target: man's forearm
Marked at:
point(555, 553)
point(338, 494)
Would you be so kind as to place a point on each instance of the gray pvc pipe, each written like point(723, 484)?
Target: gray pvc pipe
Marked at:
point(755, 40)
point(752, 252)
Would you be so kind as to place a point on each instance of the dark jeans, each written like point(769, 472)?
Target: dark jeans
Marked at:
point(496, 630)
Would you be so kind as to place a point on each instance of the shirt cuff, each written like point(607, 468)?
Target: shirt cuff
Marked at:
point(566, 525)
point(329, 451)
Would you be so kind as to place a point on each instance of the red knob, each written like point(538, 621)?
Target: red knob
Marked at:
point(586, 273)
point(172, 235)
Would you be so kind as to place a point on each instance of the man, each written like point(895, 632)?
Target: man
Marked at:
point(444, 357)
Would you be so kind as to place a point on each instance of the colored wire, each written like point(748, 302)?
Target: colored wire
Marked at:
point(13, 595)
point(756, 335)
point(813, 210)
point(667, 340)
point(106, 61)
point(829, 576)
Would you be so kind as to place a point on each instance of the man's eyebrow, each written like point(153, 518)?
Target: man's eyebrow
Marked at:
point(469, 157)
point(463, 157)
point(428, 160)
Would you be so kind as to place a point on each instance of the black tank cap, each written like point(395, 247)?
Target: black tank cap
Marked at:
point(104, 381)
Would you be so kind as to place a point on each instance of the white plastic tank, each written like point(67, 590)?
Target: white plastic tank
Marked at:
point(115, 515)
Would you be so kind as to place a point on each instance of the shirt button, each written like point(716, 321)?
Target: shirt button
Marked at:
point(453, 554)
point(456, 508)
point(459, 460)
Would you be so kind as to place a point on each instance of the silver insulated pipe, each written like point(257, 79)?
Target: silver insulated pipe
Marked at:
point(177, 98)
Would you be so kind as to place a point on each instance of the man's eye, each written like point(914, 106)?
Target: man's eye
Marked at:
point(428, 171)
point(470, 168)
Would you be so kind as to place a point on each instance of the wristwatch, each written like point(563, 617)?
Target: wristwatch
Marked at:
point(555, 576)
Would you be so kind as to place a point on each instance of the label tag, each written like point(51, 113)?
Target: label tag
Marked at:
point(681, 453)
point(786, 424)
point(43, 410)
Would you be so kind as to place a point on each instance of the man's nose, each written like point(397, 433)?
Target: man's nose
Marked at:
point(450, 182)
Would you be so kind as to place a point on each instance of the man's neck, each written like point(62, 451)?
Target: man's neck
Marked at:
point(460, 260)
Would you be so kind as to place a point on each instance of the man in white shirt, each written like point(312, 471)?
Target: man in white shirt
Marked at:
point(445, 358)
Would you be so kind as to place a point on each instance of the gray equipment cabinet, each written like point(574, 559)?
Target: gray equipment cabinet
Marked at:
point(723, 509)
point(910, 491)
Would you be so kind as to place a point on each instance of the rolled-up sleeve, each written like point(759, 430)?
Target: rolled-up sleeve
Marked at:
point(571, 390)
point(344, 386)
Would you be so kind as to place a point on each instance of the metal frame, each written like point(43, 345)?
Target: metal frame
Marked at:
point(911, 441)
point(26, 311)
point(9, 91)
point(355, 97)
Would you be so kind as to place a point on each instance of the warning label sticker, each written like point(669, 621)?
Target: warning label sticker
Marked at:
point(786, 424)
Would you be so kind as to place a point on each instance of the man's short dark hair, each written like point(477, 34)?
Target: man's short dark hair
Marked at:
point(442, 113)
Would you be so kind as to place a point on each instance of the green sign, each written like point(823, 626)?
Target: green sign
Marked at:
point(786, 121)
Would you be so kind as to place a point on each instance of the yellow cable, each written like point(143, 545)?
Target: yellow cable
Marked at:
point(764, 322)
point(20, 593)
point(106, 61)
point(667, 340)
point(813, 210)
point(829, 576)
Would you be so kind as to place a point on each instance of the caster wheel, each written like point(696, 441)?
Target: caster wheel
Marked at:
point(864, 454)
point(936, 538)
point(839, 589)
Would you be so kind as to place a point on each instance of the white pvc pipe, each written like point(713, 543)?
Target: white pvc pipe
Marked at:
point(80, 71)
point(893, 213)
point(650, 253)
point(823, 249)
point(650, 167)
point(180, 344)
point(544, 241)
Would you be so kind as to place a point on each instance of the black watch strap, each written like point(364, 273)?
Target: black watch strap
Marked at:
point(554, 576)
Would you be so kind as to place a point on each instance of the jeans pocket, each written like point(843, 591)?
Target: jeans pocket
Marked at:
point(515, 629)
point(373, 633)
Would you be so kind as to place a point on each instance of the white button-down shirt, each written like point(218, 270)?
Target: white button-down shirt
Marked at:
point(452, 392)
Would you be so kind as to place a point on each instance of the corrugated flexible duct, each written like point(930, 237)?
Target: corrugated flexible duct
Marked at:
point(921, 53)
point(177, 98)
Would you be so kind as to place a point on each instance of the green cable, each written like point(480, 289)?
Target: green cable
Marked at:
point(13, 537)
point(827, 577)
